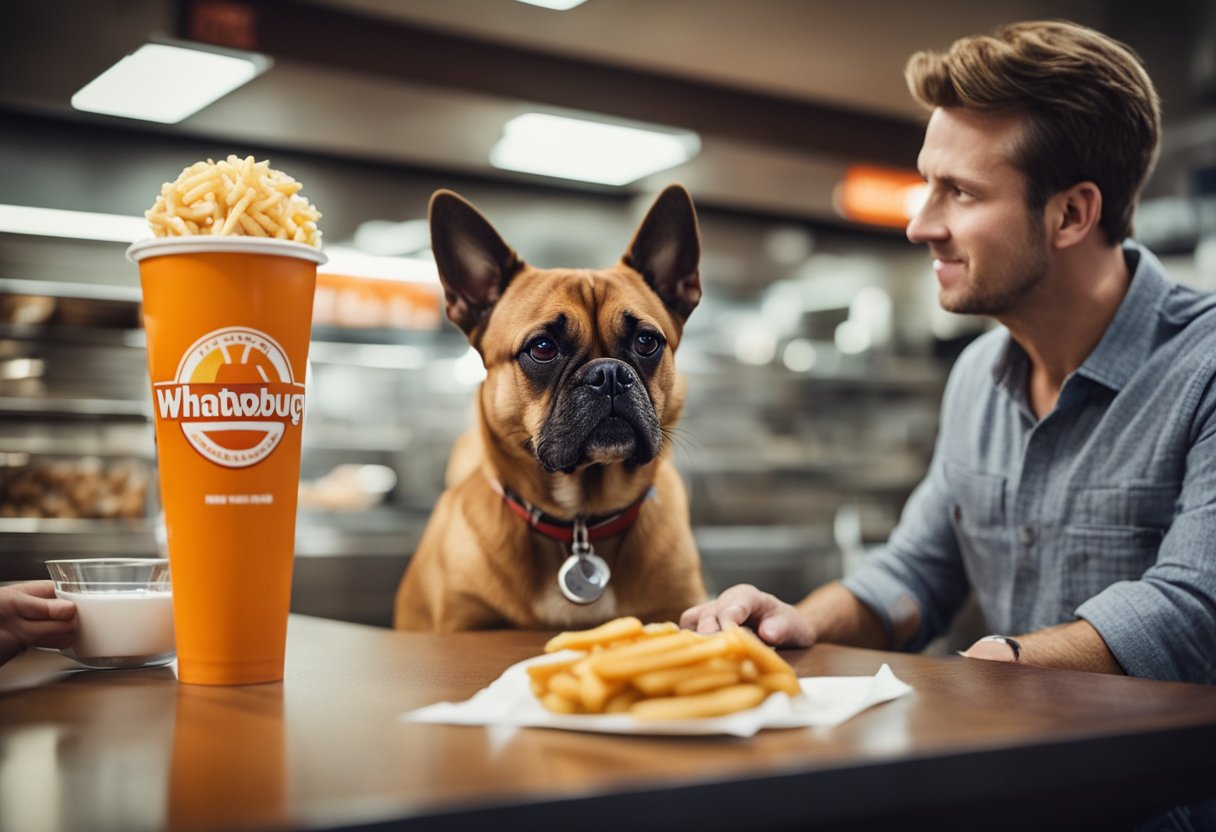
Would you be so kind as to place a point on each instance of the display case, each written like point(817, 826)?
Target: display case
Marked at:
point(77, 475)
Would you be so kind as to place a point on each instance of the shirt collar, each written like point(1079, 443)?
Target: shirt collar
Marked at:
point(1128, 340)
point(1009, 370)
point(1133, 332)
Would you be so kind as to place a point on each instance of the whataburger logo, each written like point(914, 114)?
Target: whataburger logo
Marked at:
point(233, 396)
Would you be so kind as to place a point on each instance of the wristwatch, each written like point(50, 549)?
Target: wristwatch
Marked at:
point(1012, 643)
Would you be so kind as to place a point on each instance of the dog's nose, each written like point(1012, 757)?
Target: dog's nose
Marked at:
point(608, 376)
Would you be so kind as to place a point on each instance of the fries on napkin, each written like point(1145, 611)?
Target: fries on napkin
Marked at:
point(660, 672)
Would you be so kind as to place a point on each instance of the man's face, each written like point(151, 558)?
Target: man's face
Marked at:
point(989, 251)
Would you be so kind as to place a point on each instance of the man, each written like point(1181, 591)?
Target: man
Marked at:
point(1073, 486)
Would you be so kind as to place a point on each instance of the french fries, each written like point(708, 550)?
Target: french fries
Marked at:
point(234, 197)
point(659, 672)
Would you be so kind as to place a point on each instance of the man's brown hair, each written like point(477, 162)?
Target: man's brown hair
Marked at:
point(1092, 112)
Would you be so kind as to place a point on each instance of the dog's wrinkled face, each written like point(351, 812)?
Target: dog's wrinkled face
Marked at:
point(582, 365)
point(579, 362)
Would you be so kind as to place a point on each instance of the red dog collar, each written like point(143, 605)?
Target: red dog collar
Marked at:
point(563, 530)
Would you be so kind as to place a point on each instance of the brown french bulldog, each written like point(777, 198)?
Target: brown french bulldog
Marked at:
point(562, 508)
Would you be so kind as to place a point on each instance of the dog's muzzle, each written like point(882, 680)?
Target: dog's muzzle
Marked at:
point(602, 415)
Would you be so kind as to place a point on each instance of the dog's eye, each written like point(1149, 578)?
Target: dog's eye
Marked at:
point(646, 344)
point(542, 350)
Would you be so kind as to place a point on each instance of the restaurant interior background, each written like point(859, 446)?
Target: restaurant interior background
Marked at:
point(815, 361)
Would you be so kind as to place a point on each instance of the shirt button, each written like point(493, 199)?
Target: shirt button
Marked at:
point(1026, 535)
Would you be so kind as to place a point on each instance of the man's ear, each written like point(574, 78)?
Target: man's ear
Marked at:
point(475, 265)
point(1074, 214)
point(666, 250)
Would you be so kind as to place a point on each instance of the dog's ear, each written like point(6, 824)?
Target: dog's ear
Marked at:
point(666, 250)
point(475, 265)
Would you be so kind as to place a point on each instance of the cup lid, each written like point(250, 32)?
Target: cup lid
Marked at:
point(203, 244)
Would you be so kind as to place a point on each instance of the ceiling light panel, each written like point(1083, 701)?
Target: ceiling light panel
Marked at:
point(589, 151)
point(556, 5)
point(167, 83)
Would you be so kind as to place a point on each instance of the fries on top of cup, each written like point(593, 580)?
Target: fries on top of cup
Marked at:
point(235, 196)
point(660, 672)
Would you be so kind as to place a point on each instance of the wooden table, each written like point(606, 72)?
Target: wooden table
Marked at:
point(977, 745)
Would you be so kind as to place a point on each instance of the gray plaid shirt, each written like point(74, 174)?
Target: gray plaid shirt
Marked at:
point(1104, 510)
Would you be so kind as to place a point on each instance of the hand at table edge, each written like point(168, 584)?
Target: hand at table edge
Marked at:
point(1072, 646)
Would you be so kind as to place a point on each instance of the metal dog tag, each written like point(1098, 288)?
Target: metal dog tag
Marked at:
point(585, 575)
point(584, 578)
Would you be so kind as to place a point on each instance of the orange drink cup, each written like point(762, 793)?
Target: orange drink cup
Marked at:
point(228, 322)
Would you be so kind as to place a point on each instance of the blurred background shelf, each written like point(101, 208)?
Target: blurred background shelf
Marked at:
point(28, 542)
point(56, 406)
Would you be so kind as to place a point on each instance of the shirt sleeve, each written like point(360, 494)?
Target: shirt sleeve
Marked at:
point(1163, 626)
point(920, 569)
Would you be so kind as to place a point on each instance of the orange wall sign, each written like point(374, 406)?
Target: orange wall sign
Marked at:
point(879, 196)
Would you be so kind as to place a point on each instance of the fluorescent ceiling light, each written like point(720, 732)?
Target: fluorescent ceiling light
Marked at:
point(79, 225)
point(556, 5)
point(589, 151)
point(166, 82)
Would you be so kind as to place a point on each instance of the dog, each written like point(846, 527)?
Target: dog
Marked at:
point(562, 507)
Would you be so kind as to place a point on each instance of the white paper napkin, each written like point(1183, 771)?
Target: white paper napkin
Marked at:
point(828, 701)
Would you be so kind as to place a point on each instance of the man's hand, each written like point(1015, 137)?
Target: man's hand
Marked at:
point(31, 616)
point(994, 649)
point(775, 621)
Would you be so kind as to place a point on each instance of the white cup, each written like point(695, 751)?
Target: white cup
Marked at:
point(124, 610)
